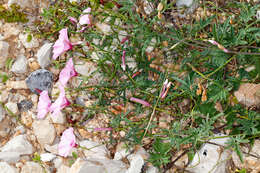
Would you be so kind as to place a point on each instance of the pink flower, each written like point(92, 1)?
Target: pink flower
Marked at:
point(67, 72)
point(60, 103)
point(166, 86)
point(145, 103)
point(219, 45)
point(86, 18)
point(73, 20)
point(43, 104)
point(62, 44)
point(123, 61)
point(67, 142)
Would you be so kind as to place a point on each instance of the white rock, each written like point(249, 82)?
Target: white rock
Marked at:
point(32, 167)
point(209, 158)
point(94, 150)
point(47, 157)
point(59, 119)
point(181, 3)
point(248, 94)
point(22, 4)
point(258, 14)
point(136, 163)
point(20, 65)
point(4, 48)
point(12, 107)
point(10, 157)
point(152, 169)
point(44, 131)
point(74, 1)
point(31, 44)
point(16, 84)
point(150, 48)
point(98, 166)
point(148, 7)
point(10, 29)
point(52, 148)
point(44, 55)
point(18, 144)
point(121, 151)
point(2, 113)
point(64, 169)
point(6, 168)
point(105, 28)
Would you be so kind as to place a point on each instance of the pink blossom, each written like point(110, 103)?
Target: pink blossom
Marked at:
point(67, 72)
point(82, 29)
point(145, 103)
point(123, 61)
point(60, 103)
point(62, 44)
point(73, 20)
point(103, 129)
point(219, 45)
point(86, 18)
point(43, 104)
point(67, 142)
point(166, 86)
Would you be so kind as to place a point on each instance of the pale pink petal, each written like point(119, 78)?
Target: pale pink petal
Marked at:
point(82, 29)
point(167, 87)
point(145, 103)
point(87, 10)
point(213, 42)
point(219, 45)
point(67, 142)
point(43, 104)
point(62, 44)
point(123, 61)
point(67, 72)
point(60, 103)
point(73, 20)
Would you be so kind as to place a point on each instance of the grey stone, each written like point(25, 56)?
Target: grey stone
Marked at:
point(18, 144)
point(25, 105)
point(46, 134)
point(209, 158)
point(4, 47)
point(20, 65)
point(181, 3)
point(44, 55)
point(10, 157)
point(95, 150)
point(47, 157)
point(12, 107)
point(136, 163)
point(32, 167)
point(22, 4)
point(6, 168)
point(33, 43)
point(2, 113)
point(40, 79)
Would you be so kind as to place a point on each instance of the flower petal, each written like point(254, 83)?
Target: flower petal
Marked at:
point(73, 20)
point(67, 142)
point(145, 103)
point(62, 44)
point(43, 104)
point(67, 72)
point(60, 103)
point(86, 18)
point(123, 66)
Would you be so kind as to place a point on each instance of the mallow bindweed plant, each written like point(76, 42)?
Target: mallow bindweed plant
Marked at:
point(172, 80)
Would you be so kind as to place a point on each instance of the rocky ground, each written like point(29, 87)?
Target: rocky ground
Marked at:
point(30, 145)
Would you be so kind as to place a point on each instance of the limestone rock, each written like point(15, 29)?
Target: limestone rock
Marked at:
point(10, 157)
point(44, 131)
point(248, 94)
point(33, 43)
point(95, 150)
point(31, 167)
point(6, 168)
point(12, 107)
point(210, 158)
point(4, 48)
point(47, 157)
point(18, 144)
point(20, 65)
point(44, 55)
